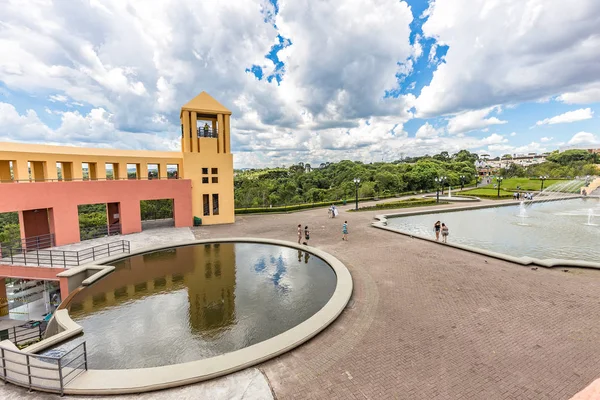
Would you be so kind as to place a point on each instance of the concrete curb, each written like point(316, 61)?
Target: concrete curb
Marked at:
point(123, 381)
point(547, 263)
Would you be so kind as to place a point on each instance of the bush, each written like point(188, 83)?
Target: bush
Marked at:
point(414, 202)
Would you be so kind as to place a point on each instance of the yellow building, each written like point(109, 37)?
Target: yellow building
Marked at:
point(45, 184)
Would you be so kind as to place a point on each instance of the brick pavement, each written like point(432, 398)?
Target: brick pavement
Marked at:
point(428, 321)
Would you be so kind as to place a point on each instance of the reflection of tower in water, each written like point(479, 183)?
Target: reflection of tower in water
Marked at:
point(211, 288)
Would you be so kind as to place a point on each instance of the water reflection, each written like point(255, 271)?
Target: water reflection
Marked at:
point(195, 302)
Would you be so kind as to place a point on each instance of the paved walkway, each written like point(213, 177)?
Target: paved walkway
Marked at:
point(427, 321)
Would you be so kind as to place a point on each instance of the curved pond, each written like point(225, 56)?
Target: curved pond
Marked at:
point(194, 302)
point(566, 229)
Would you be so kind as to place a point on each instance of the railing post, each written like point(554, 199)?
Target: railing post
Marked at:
point(10, 250)
point(93, 254)
point(108, 247)
point(60, 378)
point(28, 370)
point(77, 257)
point(51, 263)
point(37, 253)
point(85, 356)
point(3, 363)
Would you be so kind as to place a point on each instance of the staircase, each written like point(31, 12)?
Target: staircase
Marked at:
point(593, 188)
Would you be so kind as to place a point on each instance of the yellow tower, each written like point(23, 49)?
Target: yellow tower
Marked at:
point(207, 158)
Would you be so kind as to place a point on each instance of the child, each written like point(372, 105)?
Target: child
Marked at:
point(345, 231)
point(306, 235)
point(444, 233)
point(299, 233)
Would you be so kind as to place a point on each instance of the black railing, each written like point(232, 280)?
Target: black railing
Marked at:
point(63, 258)
point(142, 178)
point(26, 334)
point(47, 373)
point(31, 243)
point(95, 232)
point(208, 133)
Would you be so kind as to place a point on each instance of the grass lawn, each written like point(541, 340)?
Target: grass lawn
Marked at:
point(488, 192)
point(525, 183)
point(412, 202)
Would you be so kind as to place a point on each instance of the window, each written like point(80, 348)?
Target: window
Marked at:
point(214, 171)
point(215, 179)
point(205, 180)
point(204, 171)
point(205, 204)
point(215, 198)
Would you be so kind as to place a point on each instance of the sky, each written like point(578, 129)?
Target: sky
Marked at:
point(306, 80)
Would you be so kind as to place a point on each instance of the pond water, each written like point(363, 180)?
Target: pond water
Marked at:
point(195, 302)
point(566, 229)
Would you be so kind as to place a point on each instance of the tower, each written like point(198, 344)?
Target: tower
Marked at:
point(207, 158)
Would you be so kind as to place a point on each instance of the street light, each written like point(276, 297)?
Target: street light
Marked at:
point(462, 182)
point(499, 179)
point(543, 178)
point(476, 180)
point(356, 182)
point(439, 183)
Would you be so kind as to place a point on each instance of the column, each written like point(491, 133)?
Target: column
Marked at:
point(3, 298)
point(226, 134)
point(162, 170)
point(194, 128)
point(101, 171)
point(93, 171)
point(220, 128)
point(143, 168)
point(186, 131)
point(21, 170)
point(122, 168)
point(66, 224)
point(5, 171)
point(50, 170)
point(77, 171)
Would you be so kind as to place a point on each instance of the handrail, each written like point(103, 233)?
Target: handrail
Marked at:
point(63, 258)
point(143, 178)
point(32, 242)
point(207, 133)
point(41, 369)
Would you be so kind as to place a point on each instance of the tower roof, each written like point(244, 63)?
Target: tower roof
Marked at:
point(204, 103)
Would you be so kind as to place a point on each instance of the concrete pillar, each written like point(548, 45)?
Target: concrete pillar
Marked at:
point(21, 171)
point(220, 124)
point(110, 298)
point(169, 279)
point(50, 170)
point(226, 134)
point(3, 298)
point(122, 168)
point(37, 169)
point(186, 131)
point(77, 171)
point(93, 171)
point(130, 291)
point(5, 171)
point(131, 219)
point(66, 228)
point(194, 129)
point(143, 168)
point(162, 170)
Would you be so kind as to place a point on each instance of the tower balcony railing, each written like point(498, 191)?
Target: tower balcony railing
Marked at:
point(148, 178)
point(207, 132)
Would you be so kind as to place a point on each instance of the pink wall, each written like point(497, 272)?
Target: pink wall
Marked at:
point(64, 197)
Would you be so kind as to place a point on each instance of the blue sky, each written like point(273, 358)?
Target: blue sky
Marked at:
point(306, 80)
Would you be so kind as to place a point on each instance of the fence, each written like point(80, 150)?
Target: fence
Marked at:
point(129, 177)
point(95, 232)
point(47, 373)
point(25, 334)
point(64, 258)
point(33, 242)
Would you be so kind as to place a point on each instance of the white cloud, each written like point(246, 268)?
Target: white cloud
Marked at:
point(570, 116)
point(58, 98)
point(546, 139)
point(509, 51)
point(586, 95)
point(513, 134)
point(427, 131)
point(494, 138)
point(472, 120)
point(584, 138)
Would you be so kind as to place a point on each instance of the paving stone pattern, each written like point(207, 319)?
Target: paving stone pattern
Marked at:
point(427, 321)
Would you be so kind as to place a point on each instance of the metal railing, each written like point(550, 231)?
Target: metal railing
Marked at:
point(30, 243)
point(64, 258)
point(95, 232)
point(208, 133)
point(25, 334)
point(47, 373)
point(142, 178)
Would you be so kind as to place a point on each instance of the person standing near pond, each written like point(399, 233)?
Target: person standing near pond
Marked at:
point(345, 231)
point(306, 235)
point(299, 233)
point(444, 233)
point(436, 227)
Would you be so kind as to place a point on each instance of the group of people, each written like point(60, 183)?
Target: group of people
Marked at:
point(525, 196)
point(443, 228)
point(332, 211)
point(305, 233)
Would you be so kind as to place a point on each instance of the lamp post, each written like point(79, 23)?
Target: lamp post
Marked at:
point(499, 179)
point(439, 183)
point(356, 182)
point(543, 178)
point(476, 180)
point(462, 182)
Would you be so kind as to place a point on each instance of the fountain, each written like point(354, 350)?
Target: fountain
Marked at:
point(523, 213)
point(449, 192)
point(591, 218)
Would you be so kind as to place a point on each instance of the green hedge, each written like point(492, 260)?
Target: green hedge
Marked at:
point(401, 204)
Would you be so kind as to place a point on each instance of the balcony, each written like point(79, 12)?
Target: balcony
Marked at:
point(207, 132)
point(150, 177)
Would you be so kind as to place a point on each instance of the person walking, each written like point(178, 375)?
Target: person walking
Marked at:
point(444, 233)
point(299, 233)
point(436, 227)
point(345, 231)
point(306, 235)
